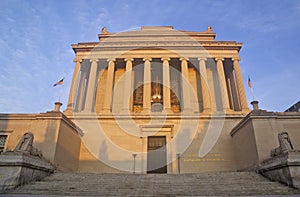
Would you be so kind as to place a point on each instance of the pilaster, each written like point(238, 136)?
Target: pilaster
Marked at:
point(185, 86)
point(240, 84)
point(222, 83)
point(147, 85)
point(166, 84)
point(128, 85)
point(90, 95)
point(74, 86)
point(109, 85)
point(204, 85)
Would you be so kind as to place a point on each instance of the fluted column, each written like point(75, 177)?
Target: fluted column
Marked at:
point(222, 83)
point(128, 85)
point(74, 85)
point(109, 85)
point(185, 85)
point(90, 95)
point(240, 84)
point(166, 84)
point(204, 85)
point(147, 85)
point(80, 97)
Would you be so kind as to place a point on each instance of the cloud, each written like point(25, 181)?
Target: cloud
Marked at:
point(35, 40)
point(33, 57)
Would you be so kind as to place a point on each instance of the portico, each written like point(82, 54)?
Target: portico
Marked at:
point(172, 79)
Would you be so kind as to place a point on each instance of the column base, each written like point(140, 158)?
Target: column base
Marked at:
point(206, 111)
point(220, 112)
point(106, 111)
point(146, 111)
point(187, 111)
point(69, 110)
point(168, 110)
point(125, 112)
point(247, 110)
point(87, 111)
point(227, 111)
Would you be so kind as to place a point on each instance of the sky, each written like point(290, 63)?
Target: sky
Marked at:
point(36, 38)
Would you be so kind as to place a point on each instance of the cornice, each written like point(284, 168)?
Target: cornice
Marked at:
point(152, 47)
point(263, 114)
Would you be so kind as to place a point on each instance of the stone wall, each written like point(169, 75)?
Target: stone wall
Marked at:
point(256, 135)
point(17, 168)
point(51, 130)
point(98, 150)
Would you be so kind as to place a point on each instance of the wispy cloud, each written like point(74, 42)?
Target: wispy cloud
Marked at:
point(32, 57)
point(35, 40)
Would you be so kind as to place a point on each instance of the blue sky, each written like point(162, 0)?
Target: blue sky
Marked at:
point(35, 39)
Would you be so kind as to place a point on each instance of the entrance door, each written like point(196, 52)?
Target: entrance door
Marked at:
point(157, 156)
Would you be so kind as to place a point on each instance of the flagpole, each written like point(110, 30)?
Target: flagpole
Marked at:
point(61, 82)
point(60, 93)
point(252, 94)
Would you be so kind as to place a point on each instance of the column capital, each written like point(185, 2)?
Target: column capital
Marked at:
point(219, 58)
point(202, 58)
point(111, 59)
point(236, 59)
point(147, 59)
point(94, 60)
point(128, 59)
point(165, 59)
point(184, 58)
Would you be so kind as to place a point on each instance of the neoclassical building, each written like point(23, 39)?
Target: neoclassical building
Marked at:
point(154, 100)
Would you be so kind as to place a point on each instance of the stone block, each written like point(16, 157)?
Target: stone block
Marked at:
point(18, 168)
point(284, 168)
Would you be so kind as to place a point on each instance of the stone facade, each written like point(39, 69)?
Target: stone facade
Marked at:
point(256, 135)
point(182, 87)
point(55, 135)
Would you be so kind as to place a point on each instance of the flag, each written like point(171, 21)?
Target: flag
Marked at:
point(59, 82)
point(249, 82)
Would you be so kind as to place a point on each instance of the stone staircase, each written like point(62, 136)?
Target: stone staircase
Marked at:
point(204, 184)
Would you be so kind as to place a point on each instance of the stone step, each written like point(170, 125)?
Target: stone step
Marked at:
point(205, 184)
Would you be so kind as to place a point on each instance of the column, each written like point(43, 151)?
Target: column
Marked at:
point(109, 85)
point(80, 97)
point(74, 85)
point(147, 85)
point(204, 85)
point(128, 85)
point(240, 84)
point(222, 82)
point(166, 84)
point(90, 95)
point(185, 85)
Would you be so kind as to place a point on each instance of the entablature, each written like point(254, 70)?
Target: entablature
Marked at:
point(157, 53)
point(220, 45)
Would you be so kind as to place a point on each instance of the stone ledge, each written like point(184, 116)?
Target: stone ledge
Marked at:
point(18, 168)
point(284, 168)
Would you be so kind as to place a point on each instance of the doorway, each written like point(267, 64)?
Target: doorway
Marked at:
point(156, 155)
